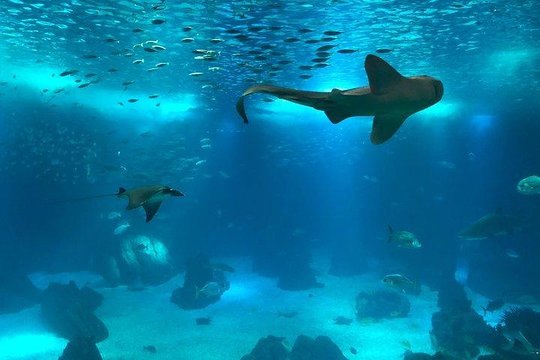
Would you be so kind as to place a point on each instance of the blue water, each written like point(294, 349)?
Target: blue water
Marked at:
point(290, 186)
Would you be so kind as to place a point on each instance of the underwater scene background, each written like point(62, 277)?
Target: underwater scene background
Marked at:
point(295, 238)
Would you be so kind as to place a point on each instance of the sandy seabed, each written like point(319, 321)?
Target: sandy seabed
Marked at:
point(248, 311)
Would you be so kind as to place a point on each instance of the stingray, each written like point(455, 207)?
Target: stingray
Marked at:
point(390, 98)
point(149, 197)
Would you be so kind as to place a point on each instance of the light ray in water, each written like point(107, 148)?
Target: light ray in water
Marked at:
point(29, 345)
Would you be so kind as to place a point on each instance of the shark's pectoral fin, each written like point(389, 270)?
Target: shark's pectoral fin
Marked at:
point(386, 125)
point(334, 113)
point(151, 209)
point(381, 75)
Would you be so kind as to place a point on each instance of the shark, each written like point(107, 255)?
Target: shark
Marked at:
point(491, 225)
point(149, 197)
point(390, 98)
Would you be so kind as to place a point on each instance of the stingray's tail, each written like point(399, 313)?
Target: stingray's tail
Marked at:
point(71, 200)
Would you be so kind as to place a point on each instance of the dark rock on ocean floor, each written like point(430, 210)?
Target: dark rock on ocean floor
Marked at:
point(69, 312)
point(304, 348)
point(82, 348)
point(459, 331)
point(268, 348)
point(423, 356)
point(203, 285)
point(292, 267)
point(320, 348)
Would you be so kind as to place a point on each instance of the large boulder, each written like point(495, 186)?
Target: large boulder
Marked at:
point(268, 348)
point(457, 330)
point(409, 355)
point(69, 312)
point(305, 348)
point(204, 283)
point(381, 304)
point(145, 260)
point(321, 348)
point(82, 348)
point(16, 292)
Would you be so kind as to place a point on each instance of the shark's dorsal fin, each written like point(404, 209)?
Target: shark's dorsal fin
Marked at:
point(380, 74)
point(151, 209)
point(384, 126)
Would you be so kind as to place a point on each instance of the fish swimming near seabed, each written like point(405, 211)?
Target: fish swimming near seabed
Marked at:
point(390, 97)
point(491, 225)
point(402, 283)
point(529, 185)
point(403, 239)
point(120, 229)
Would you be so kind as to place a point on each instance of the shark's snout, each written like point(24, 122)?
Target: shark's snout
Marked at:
point(439, 89)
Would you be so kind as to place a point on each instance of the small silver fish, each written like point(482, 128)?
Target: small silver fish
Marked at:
point(120, 229)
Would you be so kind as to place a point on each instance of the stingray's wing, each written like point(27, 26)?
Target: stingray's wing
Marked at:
point(312, 99)
point(151, 209)
point(137, 197)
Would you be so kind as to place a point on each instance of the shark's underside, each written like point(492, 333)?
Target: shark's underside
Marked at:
point(390, 98)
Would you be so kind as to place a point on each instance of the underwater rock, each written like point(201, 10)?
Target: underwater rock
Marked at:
point(68, 311)
point(452, 297)
point(304, 348)
point(145, 261)
point(288, 259)
point(81, 348)
point(17, 292)
point(111, 272)
point(320, 348)
point(381, 304)
point(423, 356)
point(457, 330)
point(203, 285)
point(294, 269)
point(268, 348)
point(522, 325)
